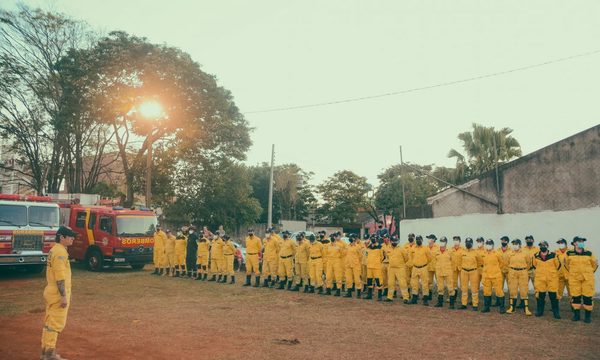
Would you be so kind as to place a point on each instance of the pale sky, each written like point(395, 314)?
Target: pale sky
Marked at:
point(273, 54)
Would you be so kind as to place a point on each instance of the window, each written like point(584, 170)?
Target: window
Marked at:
point(13, 215)
point(80, 220)
point(41, 216)
point(106, 224)
point(92, 223)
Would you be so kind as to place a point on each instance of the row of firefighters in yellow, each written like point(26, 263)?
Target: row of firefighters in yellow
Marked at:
point(379, 264)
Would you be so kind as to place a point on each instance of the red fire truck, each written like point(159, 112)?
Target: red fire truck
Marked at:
point(110, 236)
point(28, 227)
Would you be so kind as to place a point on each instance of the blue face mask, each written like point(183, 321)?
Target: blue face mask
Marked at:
point(581, 245)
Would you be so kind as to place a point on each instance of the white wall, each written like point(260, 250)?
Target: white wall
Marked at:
point(292, 225)
point(547, 225)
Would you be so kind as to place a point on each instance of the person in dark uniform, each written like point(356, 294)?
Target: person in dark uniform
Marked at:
point(191, 256)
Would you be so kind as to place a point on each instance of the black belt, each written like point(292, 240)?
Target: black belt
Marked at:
point(228, 254)
point(253, 254)
point(317, 257)
point(420, 267)
point(286, 257)
point(469, 269)
point(518, 269)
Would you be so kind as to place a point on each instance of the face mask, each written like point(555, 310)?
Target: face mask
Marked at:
point(469, 245)
point(581, 245)
point(479, 245)
point(515, 247)
point(394, 244)
point(419, 242)
point(380, 226)
point(489, 247)
point(543, 249)
point(191, 231)
point(456, 243)
point(562, 246)
point(443, 244)
point(250, 234)
point(529, 243)
point(411, 240)
point(504, 244)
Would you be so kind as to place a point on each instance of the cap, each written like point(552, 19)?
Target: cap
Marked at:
point(419, 237)
point(456, 237)
point(561, 241)
point(516, 241)
point(489, 242)
point(443, 239)
point(544, 242)
point(529, 237)
point(66, 231)
point(578, 238)
point(312, 237)
point(226, 237)
point(193, 228)
point(480, 239)
point(250, 230)
point(411, 235)
point(158, 226)
point(469, 240)
point(432, 237)
point(299, 237)
point(505, 238)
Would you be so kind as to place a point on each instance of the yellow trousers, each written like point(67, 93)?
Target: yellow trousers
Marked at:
point(353, 277)
point(159, 258)
point(493, 283)
point(54, 321)
point(546, 283)
point(286, 268)
point(431, 281)
point(228, 269)
point(563, 282)
point(469, 280)
point(419, 275)
point(582, 292)
point(171, 259)
point(269, 267)
point(202, 259)
point(397, 275)
point(455, 278)
point(374, 273)
point(316, 272)
point(384, 274)
point(518, 283)
point(216, 266)
point(252, 265)
point(445, 282)
point(180, 259)
point(408, 274)
point(334, 273)
point(301, 270)
point(363, 273)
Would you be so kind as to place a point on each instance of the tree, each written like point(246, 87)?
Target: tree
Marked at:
point(200, 118)
point(482, 146)
point(31, 43)
point(343, 194)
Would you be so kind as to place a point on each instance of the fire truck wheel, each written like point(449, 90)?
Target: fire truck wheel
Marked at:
point(94, 260)
point(137, 266)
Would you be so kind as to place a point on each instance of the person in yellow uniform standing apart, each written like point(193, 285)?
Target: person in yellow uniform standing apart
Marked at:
point(493, 263)
point(253, 247)
point(315, 264)
point(228, 255)
point(444, 273)
point(270, 259)
point(180, 252)
point(158, 253)
point(519, 263)
point(286, 261)
point(469, 275)
point(57, 294)
point(203, 255)
point(546, 266)
point(433, 248)
point(352, 264)
point(398, 258)
point(301, 263)
point(420, 258)
point(582, 265)
point(563, 274)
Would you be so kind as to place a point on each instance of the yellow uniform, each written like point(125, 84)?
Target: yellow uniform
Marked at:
point(228, 256)
point(58, 268)
point(456, 252)
point(504, 252)
point(470, 261)
point(352, 264)
point(286, 260)
point(216, 257)
point(546, 272)
point(519, 263)
point(335, 267)
point(444, 271)
point(170, 252)
point(482, 252)
point(409, 247)
point(493, 263)
point(253, 247)
point(364, 262)
point(419, 259)
point(431, 268)
point(531, 251)
point(581, 267)
point(270, 258)
point(315, 264)
point(180, 252)
point(301, 263)
point(398, 258)
point(203, 252)
point(563, 274)
point(158, 255)
point(385, 249)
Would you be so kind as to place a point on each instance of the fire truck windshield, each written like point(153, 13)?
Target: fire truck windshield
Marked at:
point(43, 216)
point(13, 215)
point(136, 225)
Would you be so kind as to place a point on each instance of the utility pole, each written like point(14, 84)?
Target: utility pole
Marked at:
point(402, 180)
point(270, 216)
point(498, 194)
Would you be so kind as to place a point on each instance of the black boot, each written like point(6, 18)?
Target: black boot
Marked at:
point(337, 292)
point(297, 286)
point(426, 300)
point(487, 301)
point(168, 272)
point(160, 272)
point(155, 272)
point(219, 278)
point(588, 317)
point(452, 301)
point(379, 295)
point(224, 279)
point(289, 285)
point(358, 294)
point(232, 280)
point(348, 293)
point(282, 284)
point(248, 277)
point(369, 293)
point(205, 277)
point(213, 278)
point(257, 281)
point(328, 292)
point(320, 292)
point(522, 304)
point(306, 288)
point(385, 292)
point(501, 307)
point(541, 304)
point(576, 315)
point(498, 301)
point(440, 302)
point(414, 299)
point(266, 282)
point(197, 277)
point(554, 304)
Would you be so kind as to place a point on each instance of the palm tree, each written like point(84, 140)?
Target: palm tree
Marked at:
point(481, 147)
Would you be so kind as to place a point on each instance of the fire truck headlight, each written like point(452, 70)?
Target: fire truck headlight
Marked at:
point(49, 238)
point(5, 238)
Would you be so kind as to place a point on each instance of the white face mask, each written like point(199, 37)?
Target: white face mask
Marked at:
point(456, 243)
point(443, 244)
point(515, 247)
point(479, 245)
point(191, 231)
point(562, 246)
point(489, 247)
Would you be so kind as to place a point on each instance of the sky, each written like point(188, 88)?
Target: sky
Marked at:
point(274, 54)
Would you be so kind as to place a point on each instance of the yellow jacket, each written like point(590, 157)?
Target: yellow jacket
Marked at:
point(253, 245)
point(386, 249)
point(203, 247)
point(398, 257)
point(271, 248)
point(470, 259)
point(335, 250)
point(58, 268)
point(228, 248)
point(456, 257)
point(288, 248)
point(493, 263)
point(546, 269)
point(505, 254)
point(374, 258)
point(302, 252)
point(562, 257)
point(354, 253)
point(181, 245)
point(315, 250)
point(519, 259)
point(433, 250)
point(216, 249)
point(420, 256)
point(581, 266)
point(531, 251)
point(160, 240)
point(170, 244)
point(443, 262)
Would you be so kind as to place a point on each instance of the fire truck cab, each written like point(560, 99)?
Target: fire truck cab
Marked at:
point(28, 227)
point(110, 236)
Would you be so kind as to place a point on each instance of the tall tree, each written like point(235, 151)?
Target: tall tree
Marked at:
point(343, 195)
point(482, 146)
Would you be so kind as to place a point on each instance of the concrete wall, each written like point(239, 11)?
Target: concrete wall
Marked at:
point(547, 225)
point(292, 225)
point(561, 176)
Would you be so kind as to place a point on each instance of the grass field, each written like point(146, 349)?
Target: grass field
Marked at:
point(126, 314)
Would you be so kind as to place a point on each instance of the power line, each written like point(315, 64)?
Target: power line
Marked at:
point(444, 84)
